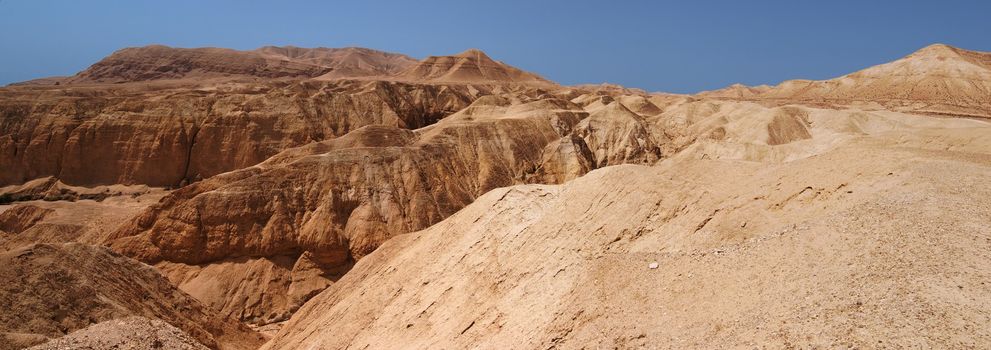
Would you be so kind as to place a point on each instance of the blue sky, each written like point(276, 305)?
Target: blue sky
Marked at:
point(655, 45)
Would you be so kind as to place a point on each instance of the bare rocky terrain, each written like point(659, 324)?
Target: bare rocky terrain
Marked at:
point(354, 198)
point(127, 333)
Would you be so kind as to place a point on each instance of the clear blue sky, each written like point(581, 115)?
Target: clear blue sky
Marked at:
point(683, 46)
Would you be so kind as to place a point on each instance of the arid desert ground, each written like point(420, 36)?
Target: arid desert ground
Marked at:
point(350, 198)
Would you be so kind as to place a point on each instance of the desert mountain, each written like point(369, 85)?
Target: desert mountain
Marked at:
point(472, 66)
point(168, 134)
point(938, 79)
point(159, 62)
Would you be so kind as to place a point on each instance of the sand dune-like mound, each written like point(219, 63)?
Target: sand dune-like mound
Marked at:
point(877, 241)
point(937, 79)
point(129, 333)
point(61, 288)
point(471, 66)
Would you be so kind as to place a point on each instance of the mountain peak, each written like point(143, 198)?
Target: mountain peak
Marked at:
point(474, 53)
point(937, 49)
point(473, 66)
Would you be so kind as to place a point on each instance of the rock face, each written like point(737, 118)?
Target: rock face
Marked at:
point(471, 66)
point(747, 252)
point(65, 287)
point(172, 135)
point(937, 79)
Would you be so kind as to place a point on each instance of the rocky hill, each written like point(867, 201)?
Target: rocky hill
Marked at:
point(471, 66)
point(937, 79)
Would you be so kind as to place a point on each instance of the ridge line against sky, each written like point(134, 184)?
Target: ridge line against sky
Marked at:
point(652, 45)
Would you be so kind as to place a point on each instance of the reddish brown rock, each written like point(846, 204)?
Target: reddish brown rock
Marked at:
point(65, 287)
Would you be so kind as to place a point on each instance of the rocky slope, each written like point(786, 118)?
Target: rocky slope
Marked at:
point(129, 333)
point(73, 220)
point(878, 239)
point(61, 288)
point(300, 219)
point(938, 79)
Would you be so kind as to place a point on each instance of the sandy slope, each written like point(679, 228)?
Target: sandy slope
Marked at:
point(64, 287)
point(129, 333)
point(880, 239)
